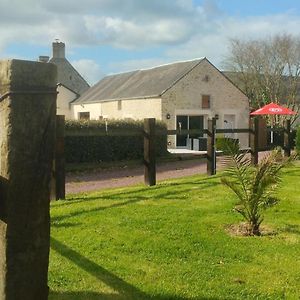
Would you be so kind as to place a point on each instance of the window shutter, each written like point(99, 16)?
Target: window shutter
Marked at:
point(205, 101)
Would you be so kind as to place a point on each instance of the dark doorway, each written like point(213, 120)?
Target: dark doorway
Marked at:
point(188, 122)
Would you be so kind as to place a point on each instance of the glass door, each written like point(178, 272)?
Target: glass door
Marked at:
point(196, 122)
point(188, 122)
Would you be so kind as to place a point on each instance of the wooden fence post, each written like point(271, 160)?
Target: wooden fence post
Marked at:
point(211, 147)
point(27, 137)
point(287, 138)
point(59, 165)
point(253, 140)
point(149, 152)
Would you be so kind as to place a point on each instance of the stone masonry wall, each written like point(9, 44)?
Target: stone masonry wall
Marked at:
point(185, 98)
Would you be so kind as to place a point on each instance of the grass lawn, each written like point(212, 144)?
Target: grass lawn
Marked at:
point(170, 242)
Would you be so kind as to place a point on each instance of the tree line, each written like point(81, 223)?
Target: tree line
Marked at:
point(267, 70)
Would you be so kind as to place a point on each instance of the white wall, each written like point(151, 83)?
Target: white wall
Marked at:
point(136, 109)
point(64, 97)
point(94, 110)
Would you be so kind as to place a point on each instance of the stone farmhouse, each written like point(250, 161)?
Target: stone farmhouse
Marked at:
point(182, 94)
point(70, 83)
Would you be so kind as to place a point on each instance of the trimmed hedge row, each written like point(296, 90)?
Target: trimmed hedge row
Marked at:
point(109, 148)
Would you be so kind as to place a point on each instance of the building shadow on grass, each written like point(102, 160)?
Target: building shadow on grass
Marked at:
point(83, 296)
point(100, 296)
point(124, 290)
point(163, 192)
point(114, 194)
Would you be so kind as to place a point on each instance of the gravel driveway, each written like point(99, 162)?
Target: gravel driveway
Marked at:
point(104, 179)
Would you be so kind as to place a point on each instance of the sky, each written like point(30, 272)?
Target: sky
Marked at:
point(105, 37)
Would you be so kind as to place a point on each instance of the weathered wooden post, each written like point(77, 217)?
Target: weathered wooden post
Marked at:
point(211, 147)
point(59, 165)
point(287, 139)
point(149, 152)
point(253, 140)
point(27, 132)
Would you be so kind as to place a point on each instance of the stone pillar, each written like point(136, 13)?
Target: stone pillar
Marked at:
point(27, 132)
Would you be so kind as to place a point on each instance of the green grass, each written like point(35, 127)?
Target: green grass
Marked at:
point(170, 242)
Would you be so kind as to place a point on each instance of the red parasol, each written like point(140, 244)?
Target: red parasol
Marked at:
point(273, 109)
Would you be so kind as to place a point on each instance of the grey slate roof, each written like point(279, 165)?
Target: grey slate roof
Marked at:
point(138, 84)
point(68, 76)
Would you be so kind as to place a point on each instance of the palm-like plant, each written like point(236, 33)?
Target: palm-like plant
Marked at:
point(254, 186)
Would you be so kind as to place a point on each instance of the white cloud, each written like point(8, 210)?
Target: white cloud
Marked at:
point(129, 34)
point(126, 24)
point(185, 29)
point(89, 70)
point(213, 40)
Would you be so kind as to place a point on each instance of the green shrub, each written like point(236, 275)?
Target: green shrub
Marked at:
point(254, 186)
point(227, 145)
point(108, 148)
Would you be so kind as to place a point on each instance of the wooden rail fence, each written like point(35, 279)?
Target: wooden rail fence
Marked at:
point(149, 135)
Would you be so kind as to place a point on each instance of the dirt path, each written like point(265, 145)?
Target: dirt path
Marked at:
point(104, 179)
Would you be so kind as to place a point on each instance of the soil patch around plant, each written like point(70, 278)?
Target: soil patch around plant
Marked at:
point(241, 230)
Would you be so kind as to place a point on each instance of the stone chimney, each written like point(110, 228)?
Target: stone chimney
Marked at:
point(58, 50)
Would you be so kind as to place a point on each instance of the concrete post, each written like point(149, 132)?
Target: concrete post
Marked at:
point(27, 131)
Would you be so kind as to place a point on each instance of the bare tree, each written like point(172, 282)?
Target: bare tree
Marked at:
point(267, 70)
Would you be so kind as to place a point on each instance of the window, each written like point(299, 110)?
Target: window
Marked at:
point(119, 104)
point(84, 115)
point(205, 101)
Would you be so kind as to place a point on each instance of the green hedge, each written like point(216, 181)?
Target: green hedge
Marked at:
point(109, 148)
point(227, 145)
point(297, 141)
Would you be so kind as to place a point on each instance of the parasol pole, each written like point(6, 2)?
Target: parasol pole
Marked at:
point(272, 132)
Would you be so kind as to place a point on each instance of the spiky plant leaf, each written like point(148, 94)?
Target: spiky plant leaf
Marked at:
point(254, 187)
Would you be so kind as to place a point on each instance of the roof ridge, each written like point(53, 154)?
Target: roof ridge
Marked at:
point(173, 63)
point(157, 66)
point(178, 79)
point(142, 83)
